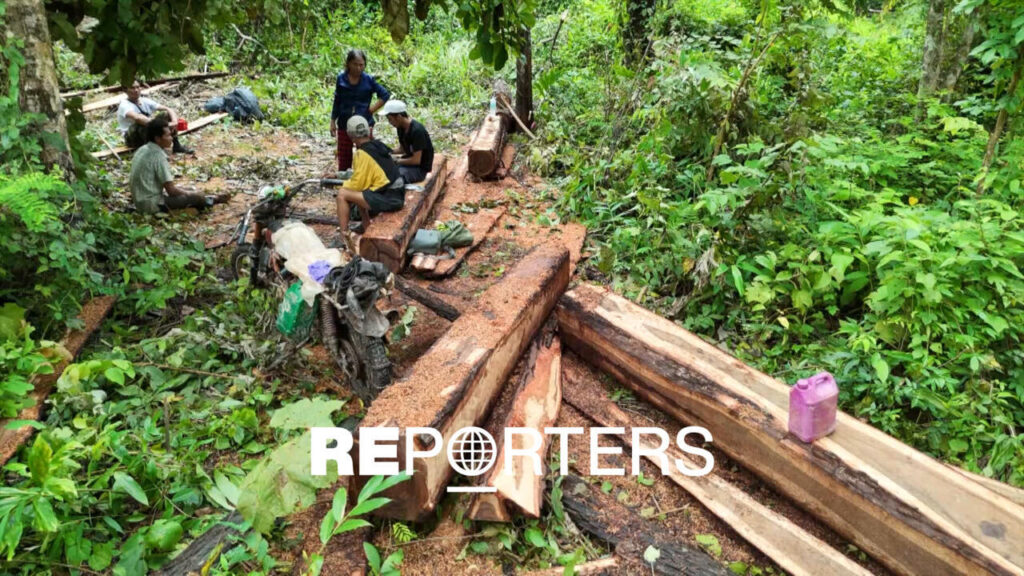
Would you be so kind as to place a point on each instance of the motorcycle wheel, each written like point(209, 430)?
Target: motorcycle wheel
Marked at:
point(365, 363)
point(246, 263)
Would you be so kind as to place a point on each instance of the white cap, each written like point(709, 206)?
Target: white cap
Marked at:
point(393, 107)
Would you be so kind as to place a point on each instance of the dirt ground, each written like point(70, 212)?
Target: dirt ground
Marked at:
point(241, 159)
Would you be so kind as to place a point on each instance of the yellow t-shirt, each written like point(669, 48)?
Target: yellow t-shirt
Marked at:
point(366, 174)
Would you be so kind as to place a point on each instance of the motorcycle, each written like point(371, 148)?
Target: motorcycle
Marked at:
point(341, 290)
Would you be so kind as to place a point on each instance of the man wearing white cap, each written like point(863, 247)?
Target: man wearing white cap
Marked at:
point(376, 184)
point(415, 150)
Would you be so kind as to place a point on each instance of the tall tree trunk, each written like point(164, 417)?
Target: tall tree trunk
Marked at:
point(636, 32)
point(947, 42)
point(38, 90)
point(524, 80)
point(1004, 114)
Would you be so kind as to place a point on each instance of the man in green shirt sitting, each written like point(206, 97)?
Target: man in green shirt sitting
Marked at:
point(152, 182)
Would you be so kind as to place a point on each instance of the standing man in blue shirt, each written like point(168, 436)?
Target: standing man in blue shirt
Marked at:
point(353, 93)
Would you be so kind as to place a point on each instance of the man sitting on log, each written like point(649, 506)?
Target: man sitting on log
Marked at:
point(376, 184)
point(415, 150)
point(151, 181)
point(136, 111)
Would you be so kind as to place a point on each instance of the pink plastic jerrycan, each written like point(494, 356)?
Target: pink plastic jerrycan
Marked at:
point(812, 407)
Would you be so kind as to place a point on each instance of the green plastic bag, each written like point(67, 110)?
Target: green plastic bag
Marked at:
point(455, 235)
point(294, 316)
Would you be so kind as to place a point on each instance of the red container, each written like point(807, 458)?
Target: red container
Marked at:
point(182, 124)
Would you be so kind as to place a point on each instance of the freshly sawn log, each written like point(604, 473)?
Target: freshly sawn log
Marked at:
point(910, 512)
point(794, 549)
point(388, 235)
point(454, 384)
point(485, 150)
point(534, 404)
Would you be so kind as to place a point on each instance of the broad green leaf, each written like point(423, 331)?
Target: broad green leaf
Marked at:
point(281, 484)
point(306, 413)
point(326, 528)
point(368, 506)
point(46, 520)
point(372, 556)
point(881, 367)
point(535, 537)
point(102, 556)
point(352, 524)
point(710, 543)
point(125, 483)
point(39, 460)
point(163, 535)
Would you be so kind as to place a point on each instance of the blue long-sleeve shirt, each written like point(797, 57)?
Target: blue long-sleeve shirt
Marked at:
point(352, 99)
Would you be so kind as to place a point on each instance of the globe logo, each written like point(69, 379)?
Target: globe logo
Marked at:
point(472, 451)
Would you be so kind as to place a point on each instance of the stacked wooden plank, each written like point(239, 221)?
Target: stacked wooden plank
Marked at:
point(192, 127)
point(533, 403)
point(388, 235)
point(910, 512)
point(455, 383)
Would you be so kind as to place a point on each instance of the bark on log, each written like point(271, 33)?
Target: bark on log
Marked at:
point(210, 543)
point(907, 510)
point(38, 91)
point(485, 150)
point(435, 303)
point(791, 547)
point(455, 383)
point(388, 235)
point(609, 521)
point(92, 315)
point(534, 403)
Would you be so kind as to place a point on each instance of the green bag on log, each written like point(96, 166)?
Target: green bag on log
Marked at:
point(455, 235)
point(294, 316)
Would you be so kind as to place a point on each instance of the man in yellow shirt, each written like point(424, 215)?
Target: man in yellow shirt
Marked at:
point(376, 185)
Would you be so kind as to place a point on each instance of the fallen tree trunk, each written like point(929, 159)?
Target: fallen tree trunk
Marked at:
point(791, 547)
point(92, 315)
point(519, 489)
point(456, 382)
point(116, 100)
point(907, 510)
point(117, 87)
point(204, 548)
point(485, 150)
point(387, 237)
point(435, 303)
point(609, 521)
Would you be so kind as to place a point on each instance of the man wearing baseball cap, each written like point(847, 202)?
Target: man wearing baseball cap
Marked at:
point(415, 150)
point(376, 184)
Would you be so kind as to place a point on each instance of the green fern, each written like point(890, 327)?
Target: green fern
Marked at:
point(402, 534)
point(30, 198)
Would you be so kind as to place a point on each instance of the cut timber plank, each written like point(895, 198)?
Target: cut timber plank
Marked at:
point(791, 547)
point(116, 100)
point(909, 511)
point(454, 384)
point(388, 235)
point(479, 225)
point(535, 402)
point(92, 314)
point(192, 127)
point(205, 548)
point(117, 87)
point(607, 565)
point(485, 150)
point(1011, 493)
point(609, 521)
